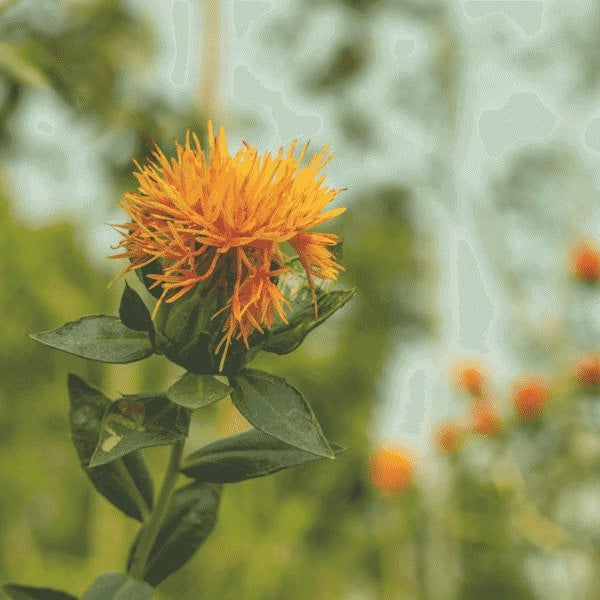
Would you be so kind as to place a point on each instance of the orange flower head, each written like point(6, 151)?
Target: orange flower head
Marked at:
point(587, 370)
point(530, 395)
point(221, 219)
point(469, 377)
point(391, 470)
point(586, 262)
point(449, 437)
point(485, 418)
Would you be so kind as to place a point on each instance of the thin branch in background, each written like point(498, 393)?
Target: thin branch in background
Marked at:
point(208, 90)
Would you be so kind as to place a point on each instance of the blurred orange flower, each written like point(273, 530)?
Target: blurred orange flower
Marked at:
point(587, 370)
point(449, 437)
point(222, 218)
point(585, 259)
point(469, 377)
point(391, 470)
point(530, 395)
point(485, 418)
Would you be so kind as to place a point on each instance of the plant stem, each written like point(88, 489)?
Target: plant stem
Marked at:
point(135, 492)
point(208, 90)
point(152, 527)
point(419, 534)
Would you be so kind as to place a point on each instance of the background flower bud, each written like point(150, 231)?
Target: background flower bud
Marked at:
point(391, 470)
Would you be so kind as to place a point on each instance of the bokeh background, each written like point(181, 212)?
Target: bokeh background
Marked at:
point(468, 135)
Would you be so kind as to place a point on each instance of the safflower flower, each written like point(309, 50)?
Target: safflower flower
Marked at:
point(222, 219)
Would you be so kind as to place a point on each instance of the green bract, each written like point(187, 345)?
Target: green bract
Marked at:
point(286, 337)
point(133, 312)
point(192, 332)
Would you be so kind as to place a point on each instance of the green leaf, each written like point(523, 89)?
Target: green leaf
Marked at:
point(285, 337)
point(133, 312)
point(195, 391)
point(23, 592)
point(244, 456)
point(126, 482)
point(116, 586)
point(278, 409)
point(192, 518)
point(99, 337)
point(138, 421)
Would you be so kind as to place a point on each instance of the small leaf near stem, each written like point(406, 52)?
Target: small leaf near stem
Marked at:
point(195, 391)
point(152, 527)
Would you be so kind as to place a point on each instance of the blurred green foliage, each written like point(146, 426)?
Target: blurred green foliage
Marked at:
point(319, 531)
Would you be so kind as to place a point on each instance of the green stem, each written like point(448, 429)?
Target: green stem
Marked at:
point(419, 531)
point(150, 530)
point(133, 489)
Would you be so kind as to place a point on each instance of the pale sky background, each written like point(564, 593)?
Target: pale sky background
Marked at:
point(505, 106)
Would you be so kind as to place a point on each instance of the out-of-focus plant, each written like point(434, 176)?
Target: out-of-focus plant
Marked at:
point(510, 472)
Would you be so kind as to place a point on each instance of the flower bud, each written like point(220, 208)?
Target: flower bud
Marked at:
point(587, 370)
point(530, 395)
point(485, 418)
point(470, 378)
point(586, 262)
point(391, 470)
point(449, 437)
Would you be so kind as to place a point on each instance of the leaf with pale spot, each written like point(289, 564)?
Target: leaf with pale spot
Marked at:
point(125, 482)
point(139, 421)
